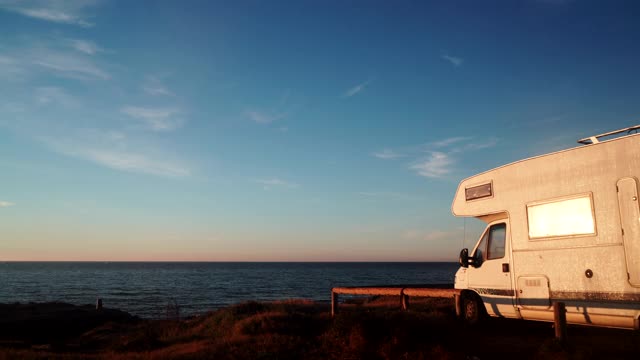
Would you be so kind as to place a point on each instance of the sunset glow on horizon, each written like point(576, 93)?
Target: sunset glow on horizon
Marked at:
point(287, 130)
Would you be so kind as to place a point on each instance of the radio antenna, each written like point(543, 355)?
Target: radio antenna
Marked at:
point(464, 233)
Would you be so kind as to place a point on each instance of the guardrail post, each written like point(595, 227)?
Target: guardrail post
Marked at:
point(334, 303)
point(404, 300)
point(560, 321)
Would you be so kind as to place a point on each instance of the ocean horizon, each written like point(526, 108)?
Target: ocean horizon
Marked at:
point(146, 288)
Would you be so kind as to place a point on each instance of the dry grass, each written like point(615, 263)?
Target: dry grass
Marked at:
point(301, 329)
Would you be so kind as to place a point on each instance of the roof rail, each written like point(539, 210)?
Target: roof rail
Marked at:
point(594, 139)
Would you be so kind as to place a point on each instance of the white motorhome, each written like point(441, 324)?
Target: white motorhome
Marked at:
point(563, 227)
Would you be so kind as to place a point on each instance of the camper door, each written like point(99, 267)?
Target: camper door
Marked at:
point(489, 272)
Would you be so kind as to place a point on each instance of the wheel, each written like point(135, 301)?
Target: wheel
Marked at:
point(473, 311)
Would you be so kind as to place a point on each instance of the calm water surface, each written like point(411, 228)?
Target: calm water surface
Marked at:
point(145, 289)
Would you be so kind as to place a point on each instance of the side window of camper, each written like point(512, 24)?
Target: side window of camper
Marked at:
point(497, 239)
point(562, 217)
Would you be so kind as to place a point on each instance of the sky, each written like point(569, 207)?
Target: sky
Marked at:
point(288, 130)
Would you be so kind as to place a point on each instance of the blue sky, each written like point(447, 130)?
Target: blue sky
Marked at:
point(288, 130)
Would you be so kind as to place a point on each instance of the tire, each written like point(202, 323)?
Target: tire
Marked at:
point(473, 311)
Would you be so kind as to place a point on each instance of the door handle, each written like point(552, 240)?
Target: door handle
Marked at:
point(505, 267)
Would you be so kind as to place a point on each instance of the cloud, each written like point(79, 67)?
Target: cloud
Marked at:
point(63, 12)
point(438, 164)
point(442, 155)
point(356, 89)
point(262, 117)
point(11, 107)
point(6, 204)
point(11, 67)
point(133, 162)
point(414, 150)
point(471, 146)
point(268, 183)
point(442, 162)
point(51, 95)
point(156, 119)
point(387, 154)
point(68, 65)
point(109, 149)
point(52, 55)
point(456, 61)
point(156, 90)
point(85, 46)
point(279, 110)
point(449, 141)
point(153, 86)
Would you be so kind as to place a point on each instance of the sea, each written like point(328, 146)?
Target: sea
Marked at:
point(149, 289)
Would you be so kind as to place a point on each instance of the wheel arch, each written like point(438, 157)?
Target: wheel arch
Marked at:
point(466, 295)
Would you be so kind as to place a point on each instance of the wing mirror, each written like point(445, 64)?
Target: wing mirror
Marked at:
point(464, 258)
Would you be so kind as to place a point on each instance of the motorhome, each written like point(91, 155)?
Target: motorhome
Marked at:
point(561, 227)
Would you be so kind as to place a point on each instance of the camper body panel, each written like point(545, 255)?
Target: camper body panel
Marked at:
point(566, 214)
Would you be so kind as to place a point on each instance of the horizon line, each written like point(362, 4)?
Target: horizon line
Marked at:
point(227, 261)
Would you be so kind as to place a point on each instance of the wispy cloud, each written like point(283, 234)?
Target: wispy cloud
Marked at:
point(6, 204)
point(156, 119)
point(53, 55)
point(278, 110)
point(356, 89)
point(441, 155)
point(109, 149)
point(454, 60)
point(442, 162)
point(448, 141)
point(64, 12)
point(471, 146)
point(154, 86)
point(436, 165)
point(51, 95)
point(11, 68)
point(387, 154)
point(68, 65)
point(262, 117)
point(85, 46)
point(133, 162)
point(275, 182)
point(11, 107)
point(156, 90)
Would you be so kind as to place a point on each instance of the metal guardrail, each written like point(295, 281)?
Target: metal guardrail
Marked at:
point(434, 291)
point(437, 291)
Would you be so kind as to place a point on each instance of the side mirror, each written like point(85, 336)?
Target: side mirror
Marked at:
point(464, 258)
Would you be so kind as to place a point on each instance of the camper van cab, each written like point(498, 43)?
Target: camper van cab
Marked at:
point(561, 227)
